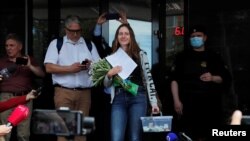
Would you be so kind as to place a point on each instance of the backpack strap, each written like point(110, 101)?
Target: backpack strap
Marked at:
point(89, 44)
point(59, 44)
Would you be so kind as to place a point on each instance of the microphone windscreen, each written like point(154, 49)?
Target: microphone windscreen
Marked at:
point(12, 68)
point(19, 114)
point(171, 137)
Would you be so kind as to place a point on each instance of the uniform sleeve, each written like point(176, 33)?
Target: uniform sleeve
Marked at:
point(176, 68)
point(222, 70)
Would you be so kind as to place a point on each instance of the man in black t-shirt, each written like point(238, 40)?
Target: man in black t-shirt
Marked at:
point(198, 81)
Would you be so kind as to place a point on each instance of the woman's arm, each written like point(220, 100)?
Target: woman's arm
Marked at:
point(13, 102)
point(109, 76)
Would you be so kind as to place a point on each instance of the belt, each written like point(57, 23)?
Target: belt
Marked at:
point(120, 88)
point(74, 89)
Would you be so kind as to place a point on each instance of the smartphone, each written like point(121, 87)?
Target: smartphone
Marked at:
point(112, 16)
point(84, 62)
point(38, 91)
point(56, 122)
point(21, 61)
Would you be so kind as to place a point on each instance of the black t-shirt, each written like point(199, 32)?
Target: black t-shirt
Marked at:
point(190, 65)
point(194, 93)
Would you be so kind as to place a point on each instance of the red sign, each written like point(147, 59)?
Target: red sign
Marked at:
point(179, 31)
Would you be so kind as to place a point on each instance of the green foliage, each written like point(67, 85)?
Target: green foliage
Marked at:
point(99, 70)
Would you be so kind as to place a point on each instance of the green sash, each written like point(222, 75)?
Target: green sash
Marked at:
point(126, 84)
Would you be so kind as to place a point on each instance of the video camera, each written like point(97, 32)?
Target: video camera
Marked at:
point(61, 122)
point(245, 120)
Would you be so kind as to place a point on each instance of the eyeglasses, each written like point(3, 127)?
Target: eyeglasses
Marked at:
point(74, 31)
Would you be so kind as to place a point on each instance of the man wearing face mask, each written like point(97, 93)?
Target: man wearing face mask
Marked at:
point(199, 79)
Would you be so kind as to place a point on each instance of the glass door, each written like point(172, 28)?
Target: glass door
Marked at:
point(174, 39)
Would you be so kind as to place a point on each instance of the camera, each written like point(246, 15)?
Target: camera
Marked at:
point(112, 16)
point(21, 61)
point(245, 120)
point(61, 122)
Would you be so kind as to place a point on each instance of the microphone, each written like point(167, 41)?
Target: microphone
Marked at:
point(185, 137)
point(12, 68)
point(6, 72)
point(19, 114)
point(171, 137)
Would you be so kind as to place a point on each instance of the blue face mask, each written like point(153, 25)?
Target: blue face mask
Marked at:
point(196, 42)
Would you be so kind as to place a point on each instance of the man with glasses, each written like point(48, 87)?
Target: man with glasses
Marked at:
point(74, 31)
point(70, 75)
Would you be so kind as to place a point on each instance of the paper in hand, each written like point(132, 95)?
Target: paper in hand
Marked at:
point(120, 58)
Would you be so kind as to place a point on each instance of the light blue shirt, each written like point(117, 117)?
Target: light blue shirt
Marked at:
point(98, 30)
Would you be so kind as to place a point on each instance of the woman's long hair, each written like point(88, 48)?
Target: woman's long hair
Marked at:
point(133, 47)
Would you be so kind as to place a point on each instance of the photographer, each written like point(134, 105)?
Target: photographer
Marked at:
point(19, 83)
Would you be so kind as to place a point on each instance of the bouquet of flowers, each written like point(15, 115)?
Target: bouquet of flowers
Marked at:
point(99, 70)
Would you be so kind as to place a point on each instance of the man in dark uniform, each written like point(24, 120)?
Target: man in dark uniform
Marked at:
point(199, 80)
